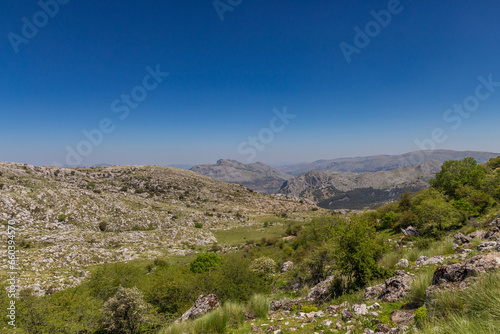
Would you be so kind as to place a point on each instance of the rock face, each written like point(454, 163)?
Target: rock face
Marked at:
point(472, 267)
point(320, 291)
point(286, 266)
point(394, 288)
point(492, 234)
point(410, 230)
point(203, 304)
point(478, 234)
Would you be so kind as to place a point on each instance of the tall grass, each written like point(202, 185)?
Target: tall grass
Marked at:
point(218, 321)
point(419, 285)
point(474, 310)
point(259, 306)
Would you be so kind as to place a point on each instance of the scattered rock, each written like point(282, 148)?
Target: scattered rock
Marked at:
point(203, 304)
point(275, 329)
point(375, 306)
point(382, 328)
point(328, 323)
point(410, 230)
point(402, 317)
point(423, 260)
point(284, 304)
point(256, 328)
point(403, 263)
point(486, 246)
point(286, 266)
point(368, 331)
point(461, 239)
point(347, 314)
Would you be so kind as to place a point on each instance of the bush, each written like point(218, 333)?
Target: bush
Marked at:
point(62, 217)
point(126, 311)
point(198, 225)
point(204, 262)
point(264, 266)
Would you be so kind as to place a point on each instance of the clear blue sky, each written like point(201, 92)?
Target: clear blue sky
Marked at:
point(226, 77)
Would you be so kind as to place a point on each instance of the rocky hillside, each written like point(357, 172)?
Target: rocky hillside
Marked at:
point(384, 162)
point(355, 190)
point(256, 176)
point(68, 219)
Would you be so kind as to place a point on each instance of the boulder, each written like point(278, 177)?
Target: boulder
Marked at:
point(396, 288)
point(360, 309)
point(461, 238)
point(402, 317)
point(202, 305)
point(486, 246)
point(286, 266)
point(403, 263)
point(382, 328)
point(492, 233)
point(478, 234)
point(424, 260)
point(472, 267)
point(284, 304)
point(410, 230)
point(373, 292)
point(321, 291)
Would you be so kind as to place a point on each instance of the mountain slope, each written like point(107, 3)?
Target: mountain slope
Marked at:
point(256, 176)
point(334, 190)
point(68, 219)
point(384, 162)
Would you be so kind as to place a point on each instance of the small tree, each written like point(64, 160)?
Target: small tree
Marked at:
point(204, 262)
point(126, 311)
point(263, 266)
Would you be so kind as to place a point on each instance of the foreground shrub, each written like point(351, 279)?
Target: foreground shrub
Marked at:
point(258, 305)
point(125, 312)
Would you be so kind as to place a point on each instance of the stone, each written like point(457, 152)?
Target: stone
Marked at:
point(286, 266)
point(374, 291)
point(275, 329)
point(373, 314)
point(396, 288)
point(402, 317)
point(382, 328)
point(202, 305)
point(472, 267)
point(403, 263)
point(347, 314)
point(284, 304)
point(410, 231)
point(486, 246)
point(375, 306)
point(423, 260)
point(256, 328)
point(478, 234)
point(359, 309)
point(321, 291)
point(492, 233)
point(461, 238)
point(327, 323)
point(368, 331)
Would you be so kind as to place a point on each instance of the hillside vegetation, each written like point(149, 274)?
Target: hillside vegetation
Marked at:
point(333, 269)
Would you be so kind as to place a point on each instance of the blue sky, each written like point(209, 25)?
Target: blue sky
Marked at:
point(226, 78)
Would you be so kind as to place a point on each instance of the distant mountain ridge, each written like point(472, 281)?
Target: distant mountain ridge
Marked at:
point(334, 190)
point(384, 162)
point(256, 176)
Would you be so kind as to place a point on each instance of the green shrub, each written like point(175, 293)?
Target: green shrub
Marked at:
point(309, 308)
point(264, 266)
point(62, 217)
point(204, 262)
point(126, 311)
point(420, 316)
point(198, 225)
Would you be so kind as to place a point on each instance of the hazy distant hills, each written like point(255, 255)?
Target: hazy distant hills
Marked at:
point(348, 183)
point(383, 162)
point(335, 190)
point(256, 176)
